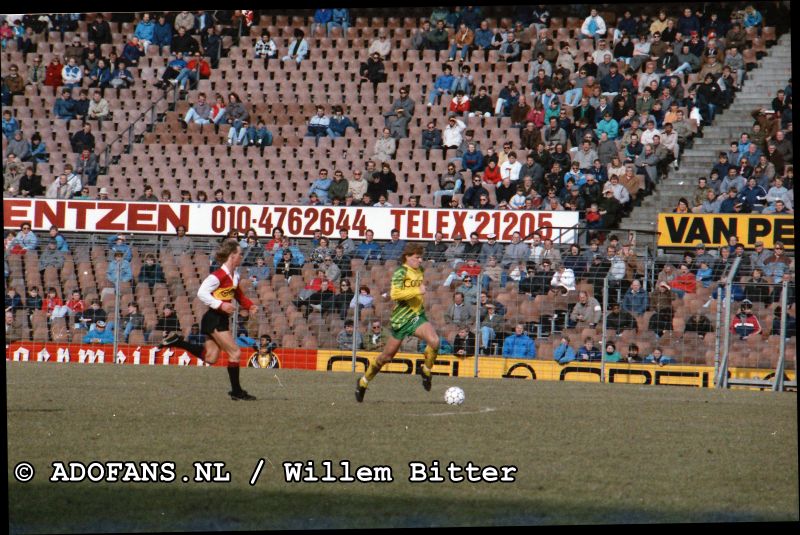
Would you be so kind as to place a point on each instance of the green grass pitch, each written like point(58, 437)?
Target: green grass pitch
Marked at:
point(585, 453)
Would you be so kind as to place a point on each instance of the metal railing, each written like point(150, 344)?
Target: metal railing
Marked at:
point(128, 131)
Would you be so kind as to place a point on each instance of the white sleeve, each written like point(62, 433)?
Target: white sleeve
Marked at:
point(568, 279)
point(210, 284)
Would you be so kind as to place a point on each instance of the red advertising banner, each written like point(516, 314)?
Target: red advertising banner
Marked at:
point(303, 359)
point(213, 219)
point(404, 363)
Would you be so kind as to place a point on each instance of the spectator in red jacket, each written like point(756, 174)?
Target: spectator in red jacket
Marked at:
point(460, 103)
point(190, 72)
point(745, 324)
point(77, 307)
point(491, 174)
point(52, 74)
point(51, 303)
point(685, 282)
point(315, 292)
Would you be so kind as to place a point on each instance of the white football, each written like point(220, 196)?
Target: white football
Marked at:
point(454, 396)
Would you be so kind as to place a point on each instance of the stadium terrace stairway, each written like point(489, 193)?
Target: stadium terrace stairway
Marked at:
point(772, 73)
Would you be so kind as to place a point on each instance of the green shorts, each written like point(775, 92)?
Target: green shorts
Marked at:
point(404, 330)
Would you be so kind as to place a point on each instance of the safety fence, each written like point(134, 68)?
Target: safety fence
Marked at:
point(565, 306)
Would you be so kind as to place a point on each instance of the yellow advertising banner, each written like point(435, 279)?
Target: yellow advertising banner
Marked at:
point(542, 370)
point(685, 230)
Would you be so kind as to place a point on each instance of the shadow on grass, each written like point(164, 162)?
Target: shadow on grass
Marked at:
point(72, 508)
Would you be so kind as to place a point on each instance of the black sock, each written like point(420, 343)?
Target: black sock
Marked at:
point(233, 374)
point(194, 349)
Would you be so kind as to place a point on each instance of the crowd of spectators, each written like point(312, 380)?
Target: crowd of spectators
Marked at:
point(604, 94)
point(604, 116)
point(757, 174)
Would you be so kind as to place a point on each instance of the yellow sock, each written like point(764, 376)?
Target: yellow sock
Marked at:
point(430, 357)
point(372, 371)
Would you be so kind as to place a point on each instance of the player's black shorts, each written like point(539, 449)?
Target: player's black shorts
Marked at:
point(214, 321)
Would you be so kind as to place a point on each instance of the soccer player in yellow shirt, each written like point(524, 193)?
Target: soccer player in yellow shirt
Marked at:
point(407, 319)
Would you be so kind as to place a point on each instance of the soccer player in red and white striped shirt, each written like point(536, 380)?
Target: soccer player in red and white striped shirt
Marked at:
point(218, 291)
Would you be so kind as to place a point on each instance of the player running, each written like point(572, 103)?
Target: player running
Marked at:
point(408, 318)
point(217, 291)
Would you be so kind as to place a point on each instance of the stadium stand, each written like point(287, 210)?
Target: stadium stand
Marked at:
point(149, 136)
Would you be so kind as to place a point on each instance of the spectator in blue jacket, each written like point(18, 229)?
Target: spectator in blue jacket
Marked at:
point(609, 126)
point(564, 353)
point(463, 82)
point(25, 238)
point(626, 25)
point(368, 249)
point(61, 243)
point(484, 38)
point(791, 324)
point(472, 159)
point(131, 52)
point(635, 300)
point(737, 293)
point(339, 123)
point(258, 272)
point(162, 33)
point(471, 16)
point(100, 75)
point(507, 99)
point(10, 124)
point(298, 258)
point(722, 166)
point(431, 138)
point(752, 18)
point(519, 344)
point(588, 351)
point(340, 18)
point(99, 335)
point(64, 107)
point(321, 19)
point(658, 357)
point(688, 23)
point(195, 336)
point(754, 195)
point(117, 242)
point(174, 68)
point(259, 136)
point(121, 266)
point(442, 85)
point(145, 31)
point(121, 77)
point(753, 154)
point(321, 186)
point(611, 83)
point(393, 249)
point(13, 300)
point(728, 203)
